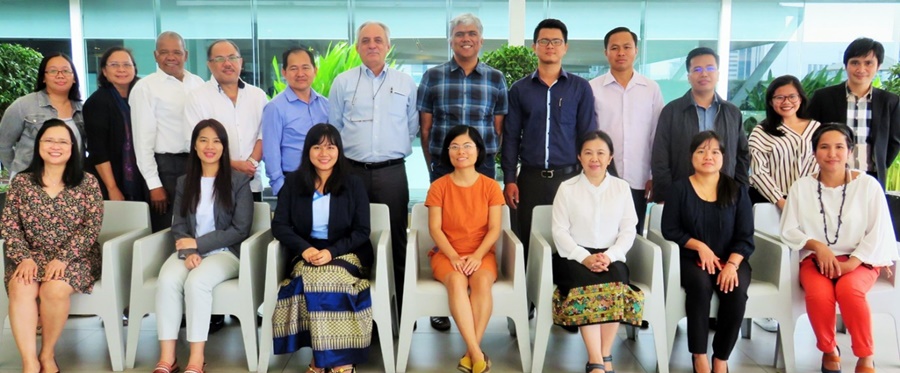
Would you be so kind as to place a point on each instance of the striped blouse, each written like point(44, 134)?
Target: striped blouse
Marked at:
point(776, 162)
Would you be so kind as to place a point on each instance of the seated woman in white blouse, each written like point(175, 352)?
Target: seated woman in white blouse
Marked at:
point(839, 220)
point(593, 228)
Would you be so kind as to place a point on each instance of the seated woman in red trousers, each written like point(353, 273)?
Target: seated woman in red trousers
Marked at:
point(839, 220)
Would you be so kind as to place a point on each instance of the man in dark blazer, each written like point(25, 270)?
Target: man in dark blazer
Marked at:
point(873, 114)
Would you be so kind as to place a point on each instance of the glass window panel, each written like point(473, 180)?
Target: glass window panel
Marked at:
point(109, 23)
point(26, 19)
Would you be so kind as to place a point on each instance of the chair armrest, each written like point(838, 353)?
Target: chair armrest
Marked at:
point(645, 263)
point(150, 253)
point(383, 264)
point(411, 272)
point(117, 263)
point(539, 275)
point(251, 276)
point(671, 261)
point(770, 261)
point(512, 261)
point(276, 260)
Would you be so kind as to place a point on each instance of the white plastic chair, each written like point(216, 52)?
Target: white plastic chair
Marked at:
point(239, 297)
point(381, 280)
point(645, 266)
point(769, 292)
point(431, 298)
point(123, 223)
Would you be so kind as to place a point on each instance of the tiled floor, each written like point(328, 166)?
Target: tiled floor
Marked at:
point(83, 349)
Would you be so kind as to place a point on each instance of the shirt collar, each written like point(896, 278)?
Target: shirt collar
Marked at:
point(715, 101)
point(43, 99)
point(167, 76)
point(479, 67)
point(637, 78)
point(292, 96)
point(562, 74)
point(371, 73)
point(850, 93)
point(240, 84)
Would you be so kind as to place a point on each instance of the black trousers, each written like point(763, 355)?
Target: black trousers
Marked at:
point(170, 167)
point(699, 287)
point(640, 208)
point(535, 190)
point(389, 185)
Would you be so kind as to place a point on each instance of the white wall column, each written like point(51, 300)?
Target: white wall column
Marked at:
point(724, 48)
point(517, 22)
point(77, 37)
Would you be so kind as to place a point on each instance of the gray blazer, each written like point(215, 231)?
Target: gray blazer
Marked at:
point(232, 225)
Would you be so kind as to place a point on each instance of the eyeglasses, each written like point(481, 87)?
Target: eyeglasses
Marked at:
point(555, 42)
point(55, 72)
point(116, 65)
point(699, 69)
point(220, 59)
point(793, 97)
point(51, 142)
point(467, 146)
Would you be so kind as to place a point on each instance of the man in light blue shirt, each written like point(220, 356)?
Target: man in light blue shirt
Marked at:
point(374, 107)
point(289, 115)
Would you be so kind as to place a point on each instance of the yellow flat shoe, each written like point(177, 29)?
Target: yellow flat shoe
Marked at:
point(465, 364)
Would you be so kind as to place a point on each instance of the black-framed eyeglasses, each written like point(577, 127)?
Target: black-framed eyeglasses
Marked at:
point(55, 72)
point(555, 42)
point(793, 97)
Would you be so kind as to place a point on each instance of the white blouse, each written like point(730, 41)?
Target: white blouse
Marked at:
point(866, 232)
point(601, 216)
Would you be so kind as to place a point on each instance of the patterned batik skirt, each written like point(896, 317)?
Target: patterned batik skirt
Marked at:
point(328, 308)
point(583, 297)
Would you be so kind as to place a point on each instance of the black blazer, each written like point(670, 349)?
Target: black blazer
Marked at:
point(232, 225)
point(348, 221)
point(829, 104)
point(105, 129)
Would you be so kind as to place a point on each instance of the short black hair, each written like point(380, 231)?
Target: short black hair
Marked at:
point(861, 48)
point(459, 130)
point(306, 174)
point(551, 23)
point(727, 190)
point(297, 49)
point(596, 135)
point(834, 126)
point(616, 31)
point(73, 173)
point(696, 52)
point(40, 84)
point(213, 44)
point(101, 79)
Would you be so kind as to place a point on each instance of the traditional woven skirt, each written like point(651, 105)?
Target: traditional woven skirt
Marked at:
point(328, 308)
point(583, 297)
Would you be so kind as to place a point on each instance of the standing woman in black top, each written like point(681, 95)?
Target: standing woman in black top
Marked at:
point(107, 121)
point(710, 217)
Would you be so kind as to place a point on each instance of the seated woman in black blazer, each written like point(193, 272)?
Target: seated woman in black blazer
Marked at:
point(710, 217)
point(322, 220)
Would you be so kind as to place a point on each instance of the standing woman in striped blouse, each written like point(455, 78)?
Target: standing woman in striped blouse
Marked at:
point(781, 147)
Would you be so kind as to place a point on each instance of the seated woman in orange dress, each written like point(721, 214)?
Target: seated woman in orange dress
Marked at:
point(464, 221)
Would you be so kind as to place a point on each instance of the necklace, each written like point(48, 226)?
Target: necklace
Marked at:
point(840, 211)
point(51, 185)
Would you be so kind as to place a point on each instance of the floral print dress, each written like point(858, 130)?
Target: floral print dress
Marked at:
point(39, 227)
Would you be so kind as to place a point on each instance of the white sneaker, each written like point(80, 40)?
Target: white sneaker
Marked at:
point(768, 324)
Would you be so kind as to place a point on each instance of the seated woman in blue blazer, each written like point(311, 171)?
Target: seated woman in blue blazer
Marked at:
point(322, 221)
point(213, 214)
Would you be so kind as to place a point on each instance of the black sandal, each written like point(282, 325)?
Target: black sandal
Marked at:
point(589, 367)
point(608, 359)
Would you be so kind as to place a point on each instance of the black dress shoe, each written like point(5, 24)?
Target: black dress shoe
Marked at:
point(440, 323)
point(216, 323)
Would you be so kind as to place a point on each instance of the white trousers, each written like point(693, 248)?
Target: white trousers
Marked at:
point(189, 292)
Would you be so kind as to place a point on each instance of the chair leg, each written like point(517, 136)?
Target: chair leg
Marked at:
point(746, 328)
point(406, 334)
point(248, 332)
point(135, 321)
point(385, 337)
point(896, 316)
point(524, 338)
point(630, 332)
point(786, 339)
point(542, 327)
point(839, 325)
point(112, 326)
point(265, 343)
point(511, 326)
point(659, 342)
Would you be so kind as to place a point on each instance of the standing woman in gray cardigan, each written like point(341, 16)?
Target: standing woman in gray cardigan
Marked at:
point(213, 213)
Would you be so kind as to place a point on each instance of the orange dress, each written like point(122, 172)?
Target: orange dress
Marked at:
point(464, 219)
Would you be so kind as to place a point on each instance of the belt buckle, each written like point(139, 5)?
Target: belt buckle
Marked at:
point(547, 174)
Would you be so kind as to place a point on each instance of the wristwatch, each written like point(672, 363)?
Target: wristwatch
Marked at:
point(253, 161)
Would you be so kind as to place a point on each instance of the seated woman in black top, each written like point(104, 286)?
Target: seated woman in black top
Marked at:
point(710, 217)
point(322, 220)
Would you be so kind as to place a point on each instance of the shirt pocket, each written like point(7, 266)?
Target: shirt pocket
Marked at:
point(33, 123)
point(568, 110)
point(399, 104)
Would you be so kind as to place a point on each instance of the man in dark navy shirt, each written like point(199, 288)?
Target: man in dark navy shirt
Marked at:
point(549, 111)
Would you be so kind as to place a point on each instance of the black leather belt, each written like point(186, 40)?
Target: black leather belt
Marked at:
point(377, 165)
point(549, 173)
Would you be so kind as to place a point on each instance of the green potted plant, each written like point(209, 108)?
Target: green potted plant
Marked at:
point(515, 62)
point(18, 72)
point(892, 84)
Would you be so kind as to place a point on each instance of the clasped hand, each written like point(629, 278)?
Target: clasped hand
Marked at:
point(26, 271)
point(316, 257)
point(598, 262)
point(467, 264)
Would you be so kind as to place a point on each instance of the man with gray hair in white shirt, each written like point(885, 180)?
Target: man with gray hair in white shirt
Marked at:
point(234, 103)
point(157, 118)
